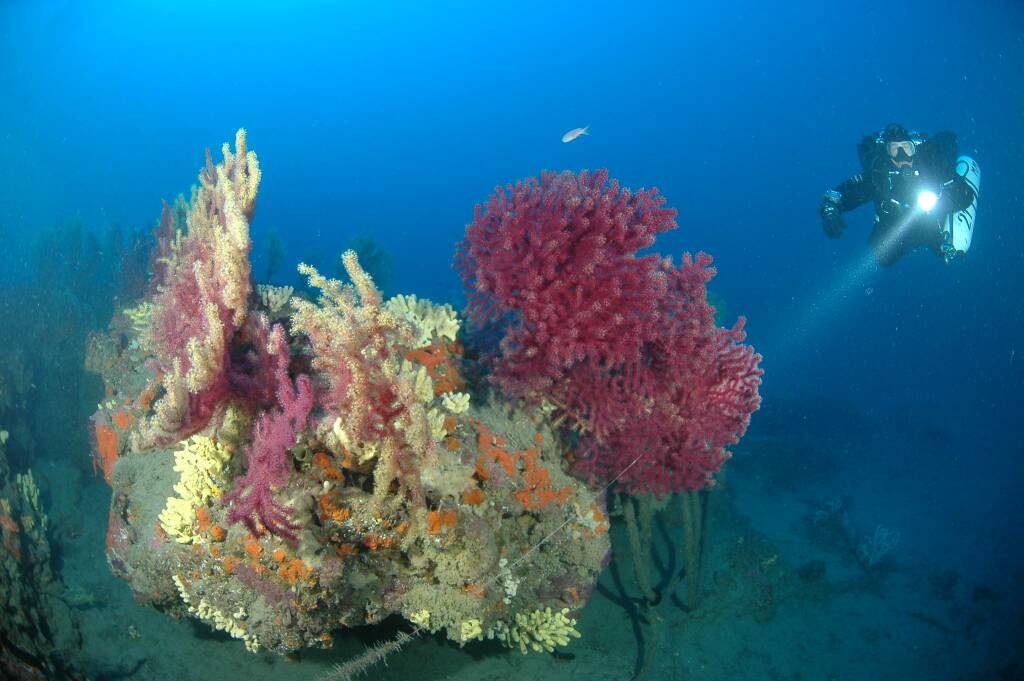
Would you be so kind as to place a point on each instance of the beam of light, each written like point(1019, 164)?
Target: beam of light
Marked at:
point(801, 331)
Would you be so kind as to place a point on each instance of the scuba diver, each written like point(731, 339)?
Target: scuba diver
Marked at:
point(924, 194)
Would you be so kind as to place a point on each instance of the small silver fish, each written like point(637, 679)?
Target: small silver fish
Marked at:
point(574, 133)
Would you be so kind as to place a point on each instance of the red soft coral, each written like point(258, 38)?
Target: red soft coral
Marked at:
point(559, 254)
point(625, 346)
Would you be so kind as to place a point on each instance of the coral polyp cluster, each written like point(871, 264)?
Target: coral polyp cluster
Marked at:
point(284, 466)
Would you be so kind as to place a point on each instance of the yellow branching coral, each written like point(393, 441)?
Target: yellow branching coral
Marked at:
point(428, 319)
point(200, 463)
point(456, 403)
point(363, 451)
point(204, 290)
point(380, 400)
point(169, 412)
point(140, 316)
point(233, 625)
point(470, 629)
point(421, 618)
point(437, 429)
point(423, 384)
point(233, 184)
point(30, 495)
point(205, 356)
point(349, 332)
point(539, 631)
point(274, 298)
point(218, 225)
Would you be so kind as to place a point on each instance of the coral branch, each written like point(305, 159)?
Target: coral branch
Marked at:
point(269, 464)
point(203, 281)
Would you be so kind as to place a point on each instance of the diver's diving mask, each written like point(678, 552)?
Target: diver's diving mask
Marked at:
point(901, 152)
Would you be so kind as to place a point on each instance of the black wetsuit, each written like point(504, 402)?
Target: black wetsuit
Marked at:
point(899, 225)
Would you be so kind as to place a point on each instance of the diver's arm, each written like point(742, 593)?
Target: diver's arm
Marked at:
point(848, 195)
point(854, 192)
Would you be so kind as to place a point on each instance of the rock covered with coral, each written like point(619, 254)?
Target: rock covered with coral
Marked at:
point(283, 466)
point(39, 636)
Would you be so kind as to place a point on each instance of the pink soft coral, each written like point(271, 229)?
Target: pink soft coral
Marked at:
point(269, 465)
point(560, 254)
point(625, 346)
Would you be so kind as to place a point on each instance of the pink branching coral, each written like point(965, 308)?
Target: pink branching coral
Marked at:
point(624, 346)
point(560, 253)
point(369, 398)
point(203, 284)
point(269, 465)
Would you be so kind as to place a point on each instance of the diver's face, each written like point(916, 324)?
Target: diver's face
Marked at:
point(901, 153)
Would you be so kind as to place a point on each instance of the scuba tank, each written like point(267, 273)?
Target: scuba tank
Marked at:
point(958, 227)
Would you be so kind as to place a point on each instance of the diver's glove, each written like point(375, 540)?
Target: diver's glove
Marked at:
point(831, 217)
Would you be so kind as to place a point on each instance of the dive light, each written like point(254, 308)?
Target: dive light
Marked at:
point(926, 200)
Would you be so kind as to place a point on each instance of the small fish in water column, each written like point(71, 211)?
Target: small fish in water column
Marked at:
point(574, 133)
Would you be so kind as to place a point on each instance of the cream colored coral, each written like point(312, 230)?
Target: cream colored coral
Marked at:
point(539, 631)
point(218, 220)
point(274, 298)
point(238, 179)
point(456, 403)
point(139, 316)
point(470, 629)
point(178, 518)
point(437, 429)
point(421, 618)
point(430, 320)
point(424, 384)
point(26, 484)
point(205, 355)
point(200, 463)
point(363, 451)
point(168, 412)
point(232, 624)
point(359, 346)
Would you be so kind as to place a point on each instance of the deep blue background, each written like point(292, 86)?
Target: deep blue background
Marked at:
point(396, 118)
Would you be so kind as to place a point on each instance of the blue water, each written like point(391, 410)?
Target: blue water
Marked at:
point(394, 119)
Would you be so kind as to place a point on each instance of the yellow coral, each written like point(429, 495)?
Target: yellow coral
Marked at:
point(424, 385)
point(274, 298)
point(421, 618)
point(200, 463)
point(456, 403)
point(139, 316)
point(233, 625)
point(429, 320)
point(363, 451)
point(539, 631)
point(437, 429)
point(178, 520)
point(470, 629)
point(30, 494)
